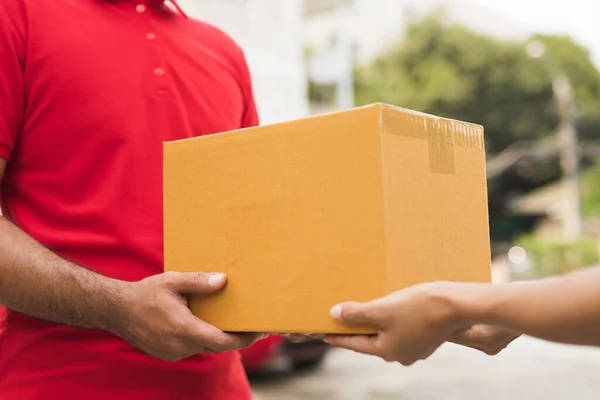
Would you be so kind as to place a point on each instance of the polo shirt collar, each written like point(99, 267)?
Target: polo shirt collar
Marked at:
point(147, 2)
point(158, 3)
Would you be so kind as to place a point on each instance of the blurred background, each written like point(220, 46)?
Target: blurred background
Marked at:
point(528, 70)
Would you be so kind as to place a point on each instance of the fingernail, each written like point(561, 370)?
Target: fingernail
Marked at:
point(216, 279)
point(336, 312)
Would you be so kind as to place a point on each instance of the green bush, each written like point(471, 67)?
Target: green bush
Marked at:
point(550, 257)
point(590, 192)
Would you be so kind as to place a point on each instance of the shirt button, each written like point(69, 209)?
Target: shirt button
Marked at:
point(150, 36)
point(140, 8)
point(159, 72)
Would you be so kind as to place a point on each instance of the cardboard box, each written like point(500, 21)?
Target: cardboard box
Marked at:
point(305, 214)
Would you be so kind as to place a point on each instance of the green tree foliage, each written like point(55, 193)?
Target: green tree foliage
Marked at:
point(451, 71)
point(590, 192)
point(551, 256)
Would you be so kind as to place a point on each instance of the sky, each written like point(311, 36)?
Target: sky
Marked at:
point(578, 18)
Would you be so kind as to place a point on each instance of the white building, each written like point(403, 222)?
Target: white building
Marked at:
point(342, 33)
point(275, 34)
point(373, 25)
point(270, 32)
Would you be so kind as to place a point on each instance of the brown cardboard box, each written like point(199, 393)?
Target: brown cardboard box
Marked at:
point(304, 214)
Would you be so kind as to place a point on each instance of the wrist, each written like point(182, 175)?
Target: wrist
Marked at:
point(110, 309)
point(449, 307)
point(470, 303)
point(479, 303)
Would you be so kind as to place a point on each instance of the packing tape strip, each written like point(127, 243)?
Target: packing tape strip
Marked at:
point(442, 134)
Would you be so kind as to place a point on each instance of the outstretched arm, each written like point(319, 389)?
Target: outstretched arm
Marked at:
point(414, 322)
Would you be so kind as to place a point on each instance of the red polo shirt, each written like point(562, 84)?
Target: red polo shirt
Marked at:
point(89, 90)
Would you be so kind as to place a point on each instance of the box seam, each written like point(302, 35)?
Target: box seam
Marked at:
point(381, 132)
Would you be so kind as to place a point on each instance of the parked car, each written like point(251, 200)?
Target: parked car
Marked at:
point(275, 353)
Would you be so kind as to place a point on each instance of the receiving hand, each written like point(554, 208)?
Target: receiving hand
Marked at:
point(413, 323)
point(488, 339)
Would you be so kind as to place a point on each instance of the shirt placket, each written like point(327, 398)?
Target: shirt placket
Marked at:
point(156, 67)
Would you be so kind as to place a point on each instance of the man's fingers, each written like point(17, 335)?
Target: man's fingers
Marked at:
point(357, 313)
point(194, 282)
point(359, 343)
point(301, 337)
point(205, 335)
point(247, 339)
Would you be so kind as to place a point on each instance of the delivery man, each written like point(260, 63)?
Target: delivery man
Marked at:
point(89, 90)
point(416, 321)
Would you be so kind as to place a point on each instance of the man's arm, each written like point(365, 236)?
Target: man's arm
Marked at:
point(33, 280)
point(152, 314)
point(414, 322)
point(37, 282)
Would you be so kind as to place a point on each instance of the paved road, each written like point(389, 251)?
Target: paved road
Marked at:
point(528, 370)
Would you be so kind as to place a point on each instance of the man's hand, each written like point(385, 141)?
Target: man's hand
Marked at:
point(413, 323)
point(300, 337)
point(151, 314)
point(156, 318)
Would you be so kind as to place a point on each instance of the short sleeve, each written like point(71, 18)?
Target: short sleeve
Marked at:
point(12, 96)
point(250, 115)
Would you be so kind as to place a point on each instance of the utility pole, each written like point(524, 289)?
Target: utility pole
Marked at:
point(568, 146)
point(569, 156)
point(344, 44)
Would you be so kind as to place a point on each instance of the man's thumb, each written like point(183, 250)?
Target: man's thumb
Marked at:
point(196, 282)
